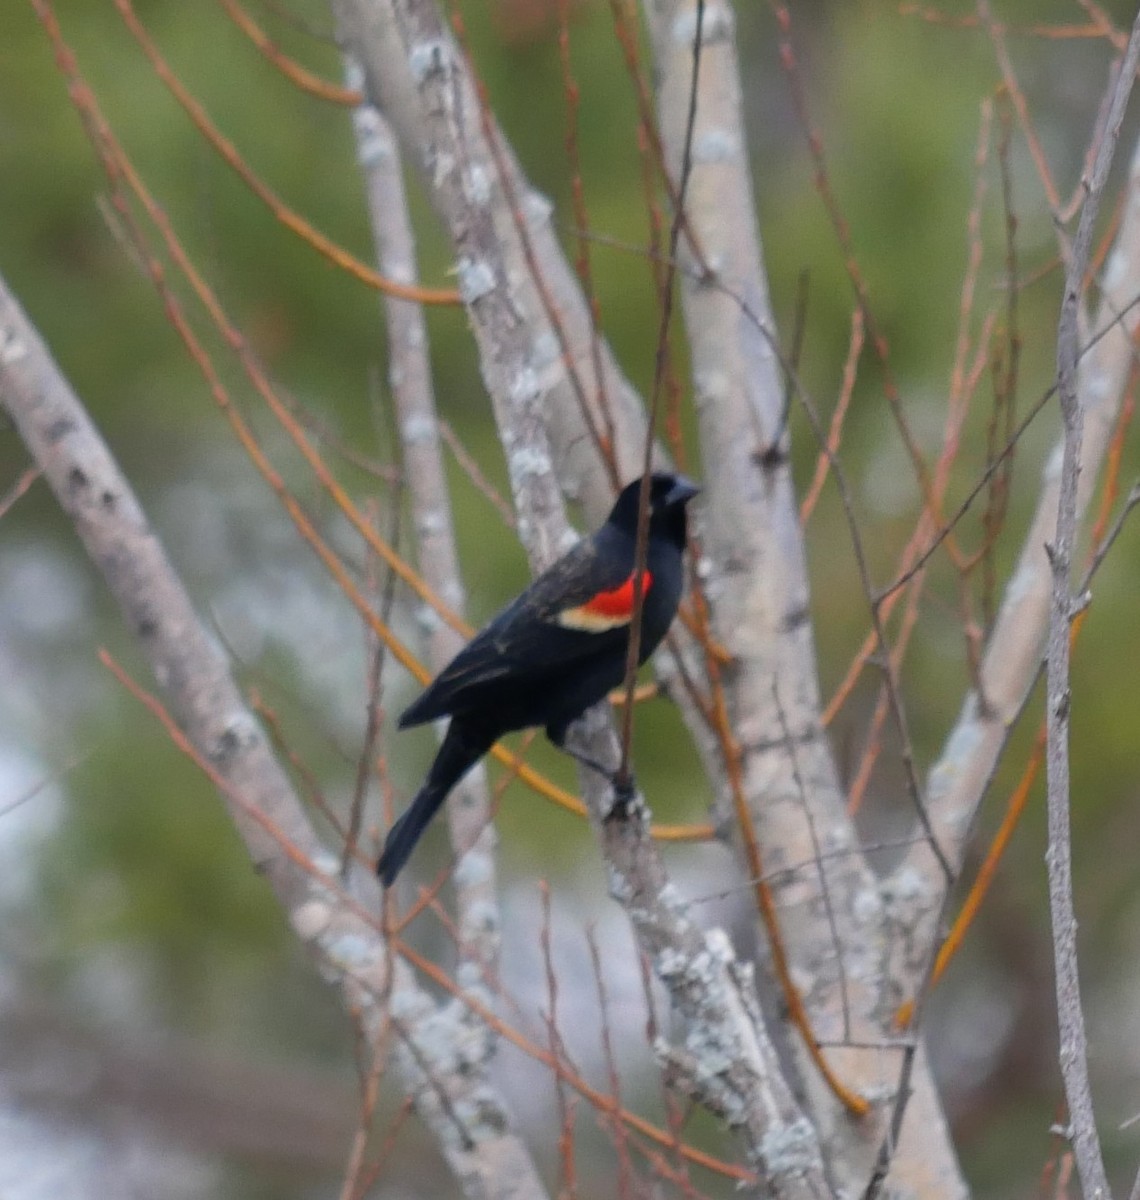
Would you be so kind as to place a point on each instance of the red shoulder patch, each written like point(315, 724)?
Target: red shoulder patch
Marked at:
point(618, 602)
point(604, 610)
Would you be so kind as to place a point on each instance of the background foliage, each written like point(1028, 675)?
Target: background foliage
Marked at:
point(130, 905)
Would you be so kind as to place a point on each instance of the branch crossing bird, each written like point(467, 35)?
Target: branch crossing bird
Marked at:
point(555, 650)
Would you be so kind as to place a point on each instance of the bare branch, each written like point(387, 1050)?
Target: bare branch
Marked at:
point(661, 360)
point(712, 990)
point(958, 780)
point(414, 68)
point(758, 590)
point(225, 735)
point(1070, 1014)
point(417, 75)
point(409, 375)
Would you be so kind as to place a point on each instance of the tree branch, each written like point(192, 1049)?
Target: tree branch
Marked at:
point(1058, 700)
point(409, 376)
point(758, 591)
point(214, 717)
point(1013, 654)
point(496, 222)
point(415, 71)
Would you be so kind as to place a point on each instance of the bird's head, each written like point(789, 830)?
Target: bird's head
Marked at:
point(668, 495)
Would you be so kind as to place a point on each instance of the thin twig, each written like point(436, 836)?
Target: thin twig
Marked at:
point(642, 546)
point(1020, 795)
point(808, 864)
point(600, 1100)
point(18, 489)
point(434, 1083)
point(621, 1141)
point(673, 1114)
point(291, 220)
point(581, 220)
point(413, 396)
point(352, 1188)
point(995, 465)
point(568, 1189)
point(300, 76)
point(1070, 1015)
point(891, 684)
point(499, 152)
point(475, 474)
point(45, 782)
point(367, 1179)
point(373, 713)
point(626, 31)
point(817, 855)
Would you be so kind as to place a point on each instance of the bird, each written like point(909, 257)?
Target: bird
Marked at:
point(559, 647)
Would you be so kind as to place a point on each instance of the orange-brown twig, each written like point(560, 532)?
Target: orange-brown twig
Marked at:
point(302, 77)
point(981, 886)
point(582, 224)
point(607, 452)
point(18, 489)
point(835, 432)
point(119, 166)
point(625, 26)
point(117, 162)
point(568, 1184)
point(1062, 32)
point(876, 339)
point(1020, 795)
point(292, 220)
point(765, 903)
point(603, 1103)
point(174, 731)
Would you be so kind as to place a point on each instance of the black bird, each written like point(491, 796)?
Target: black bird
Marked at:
point(554, 651)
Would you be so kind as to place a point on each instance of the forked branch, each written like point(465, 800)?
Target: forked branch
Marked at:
point(213, 715)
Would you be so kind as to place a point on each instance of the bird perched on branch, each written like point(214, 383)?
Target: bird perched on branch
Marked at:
point(558, 648)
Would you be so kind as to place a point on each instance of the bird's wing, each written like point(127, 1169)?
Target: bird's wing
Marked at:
point(571, 612)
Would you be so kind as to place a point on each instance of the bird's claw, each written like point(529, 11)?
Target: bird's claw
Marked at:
point(625, 792)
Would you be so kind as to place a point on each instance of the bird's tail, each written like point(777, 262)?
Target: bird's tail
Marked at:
point(462, 748)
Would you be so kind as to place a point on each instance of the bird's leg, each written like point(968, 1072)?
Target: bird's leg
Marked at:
point(592, 763)
point(557, 735)
point(624, 786)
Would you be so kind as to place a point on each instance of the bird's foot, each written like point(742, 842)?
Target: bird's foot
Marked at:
point(622, 783)
point(625, 793)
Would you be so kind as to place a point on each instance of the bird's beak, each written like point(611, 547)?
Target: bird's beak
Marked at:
point(682, 491)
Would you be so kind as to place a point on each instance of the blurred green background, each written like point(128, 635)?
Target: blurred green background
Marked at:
point(131, 913)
